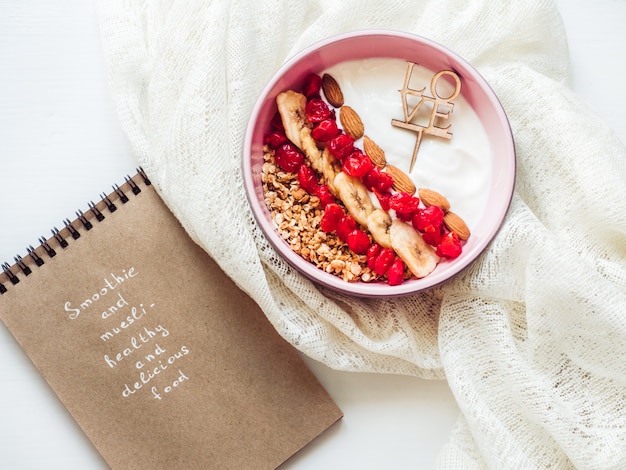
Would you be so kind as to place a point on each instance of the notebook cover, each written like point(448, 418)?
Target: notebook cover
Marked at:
point(162, 360)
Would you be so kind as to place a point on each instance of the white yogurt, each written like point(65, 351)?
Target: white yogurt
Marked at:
point(459, 168)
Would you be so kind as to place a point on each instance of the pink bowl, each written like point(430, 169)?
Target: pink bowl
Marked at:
point(371, 44)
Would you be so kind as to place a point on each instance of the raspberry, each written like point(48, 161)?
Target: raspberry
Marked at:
point(358, 241)
point(317, 110)
point(275, 138)
point(450, 246)
point(307, 179)
point(325, 130)
point(372, 253)
point(357, 164)
point(383, 199)
point(341, 146)
point(289, 157)
point(405, 205)
point(346, 225)
point(377, 180)
point(333, 213)
point(277, 123)
point(428, 219)
point(432, 235)
point(404, 202)
point(395, 274)
point(312, 85)
point(384, 260)
point(324, 194)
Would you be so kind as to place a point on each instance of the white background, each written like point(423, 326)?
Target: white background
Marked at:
point(61, 146)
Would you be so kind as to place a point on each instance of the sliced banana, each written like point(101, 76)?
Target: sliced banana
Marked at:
point(309, 148)
point(378, 223)
point(409, 245)
point(330, 169)
point(354, 196)
point(291, 107)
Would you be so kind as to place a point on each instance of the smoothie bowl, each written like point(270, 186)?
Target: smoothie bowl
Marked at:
point(378, 163)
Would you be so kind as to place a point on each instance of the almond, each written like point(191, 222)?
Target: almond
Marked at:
point(401, 181)
point(376, 154)
point(456, 224)
point(332, 91)
point(351, 122)
point(433, 198)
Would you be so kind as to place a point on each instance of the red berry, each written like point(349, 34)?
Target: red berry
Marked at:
point(317, 110)
point(324, 194)
point(333, 213)
point(404, 204)
point(432, 235)
point(289, 157)
point(395, 274)
point(341, 146)
point(372, 253)
point(405, 216)
point(312, 85)
point(383, 199)
point(384, 260)
point(357, 164)
point(346, 225)
point(277, 122)
point(430, 217)
point(358, 241)
point(377, 180)
point(275, 138)
point(325, 130)
point(450, 246)
point(307, 179)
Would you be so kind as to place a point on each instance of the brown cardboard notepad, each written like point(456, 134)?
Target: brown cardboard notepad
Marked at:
point(160, 358)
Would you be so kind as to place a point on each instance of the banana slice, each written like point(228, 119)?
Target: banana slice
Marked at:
point(409, 245)
point(291, 107)
point(354, 196)
point(330, 169)
point(309, 148)
point(378, 223)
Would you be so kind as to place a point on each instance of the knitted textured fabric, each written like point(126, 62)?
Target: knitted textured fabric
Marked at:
point(532, 337)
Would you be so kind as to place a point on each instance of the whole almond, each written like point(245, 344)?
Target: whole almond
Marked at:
point(456, 224)
point(332, 91)
point(433, 198)
point(351, 122)
point(376, 154)
point(401, 181)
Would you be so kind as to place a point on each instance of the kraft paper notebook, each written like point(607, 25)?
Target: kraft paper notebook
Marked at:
point(159, 357)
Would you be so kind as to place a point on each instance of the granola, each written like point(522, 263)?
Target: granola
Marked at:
point(296, 215)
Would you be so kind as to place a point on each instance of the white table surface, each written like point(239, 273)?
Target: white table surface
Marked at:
point(61, 146)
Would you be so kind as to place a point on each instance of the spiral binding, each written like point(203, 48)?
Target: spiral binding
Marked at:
point(60, 238)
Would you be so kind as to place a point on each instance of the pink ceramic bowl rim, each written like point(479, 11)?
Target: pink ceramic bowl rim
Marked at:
point(392, 44)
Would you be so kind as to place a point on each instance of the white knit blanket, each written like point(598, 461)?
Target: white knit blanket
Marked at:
point(531, 338)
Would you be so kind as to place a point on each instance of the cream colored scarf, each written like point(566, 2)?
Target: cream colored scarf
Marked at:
point(531, 338)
